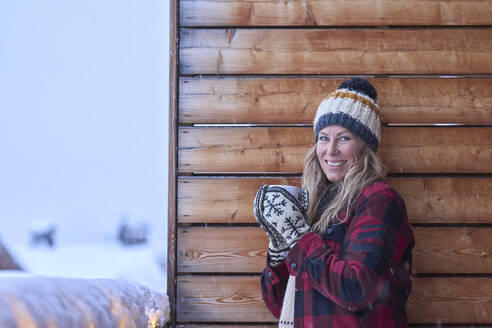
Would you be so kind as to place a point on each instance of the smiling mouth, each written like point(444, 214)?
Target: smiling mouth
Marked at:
point(334, 163)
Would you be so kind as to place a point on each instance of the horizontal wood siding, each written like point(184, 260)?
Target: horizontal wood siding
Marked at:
point(335, 51)
point(334, 12)
point(221, 299)
point(462, 200)
point(409, 150)
point(251, 74)
point(238, 298)
point(295, 100)
point(243, 249)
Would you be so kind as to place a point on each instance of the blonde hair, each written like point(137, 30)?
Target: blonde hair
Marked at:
point(366, 170)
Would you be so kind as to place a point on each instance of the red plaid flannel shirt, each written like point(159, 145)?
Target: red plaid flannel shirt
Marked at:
point(358, 274)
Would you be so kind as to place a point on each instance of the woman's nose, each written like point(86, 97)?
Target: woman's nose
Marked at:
point(332, 148)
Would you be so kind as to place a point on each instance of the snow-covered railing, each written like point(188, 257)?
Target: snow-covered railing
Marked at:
point(38, 302)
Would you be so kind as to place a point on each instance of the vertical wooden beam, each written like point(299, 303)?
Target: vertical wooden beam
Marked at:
point(173, 143)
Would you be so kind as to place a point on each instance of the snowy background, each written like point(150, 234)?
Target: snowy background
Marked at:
point(84, 135)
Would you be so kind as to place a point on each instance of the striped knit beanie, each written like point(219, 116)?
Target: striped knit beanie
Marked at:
point(352, 106)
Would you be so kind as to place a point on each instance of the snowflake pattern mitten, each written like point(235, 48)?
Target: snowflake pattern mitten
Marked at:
point(278, 249)
point(282, 215)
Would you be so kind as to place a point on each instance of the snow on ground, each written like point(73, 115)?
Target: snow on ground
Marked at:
point(83, 284)
point(92, 255)
point(142, 264)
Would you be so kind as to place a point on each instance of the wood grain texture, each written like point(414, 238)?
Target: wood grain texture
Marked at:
point(446, 200)
point(172, 163)
point(336, 51)
point(404, 150)
point(295, 100)
point(453, 250)
point(428, 200)
point(450, 300)
point(221, 200)
point(242, 149)
point(213, 249)
point(243, 249)
point(221, 299)
point(333, 13)
point(234, 299)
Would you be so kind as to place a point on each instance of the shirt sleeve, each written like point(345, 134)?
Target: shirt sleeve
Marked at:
point(377, 237)
point(273, 285)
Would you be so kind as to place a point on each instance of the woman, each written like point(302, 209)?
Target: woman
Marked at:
point(350, 259)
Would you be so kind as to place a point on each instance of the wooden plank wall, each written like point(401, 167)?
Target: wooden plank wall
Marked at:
point(249, 77)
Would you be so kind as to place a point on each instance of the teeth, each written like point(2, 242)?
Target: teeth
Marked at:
point(334, 163)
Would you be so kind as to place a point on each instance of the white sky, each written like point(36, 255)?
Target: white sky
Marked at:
point(83, 115)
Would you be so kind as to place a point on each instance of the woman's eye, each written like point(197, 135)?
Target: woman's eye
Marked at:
point(344, 138)
point(323, 138)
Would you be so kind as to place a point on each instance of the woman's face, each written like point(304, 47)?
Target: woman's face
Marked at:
point(338, 150)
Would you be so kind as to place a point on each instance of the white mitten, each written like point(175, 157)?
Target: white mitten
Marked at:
point(278, 249)
point(281, 212)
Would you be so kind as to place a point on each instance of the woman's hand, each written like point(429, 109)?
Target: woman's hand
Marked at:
point(281, 212)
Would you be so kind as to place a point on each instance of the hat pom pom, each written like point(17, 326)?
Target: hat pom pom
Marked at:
point(360, 85)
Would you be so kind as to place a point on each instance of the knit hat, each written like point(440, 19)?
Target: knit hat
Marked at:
point(352, 106)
